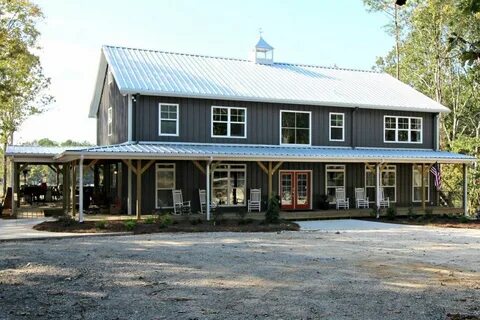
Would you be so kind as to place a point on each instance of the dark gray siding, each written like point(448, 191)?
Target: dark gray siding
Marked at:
point(189, 179)
point(263, 123)
point(111, 97)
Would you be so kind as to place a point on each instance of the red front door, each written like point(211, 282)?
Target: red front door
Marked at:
point(295, 190)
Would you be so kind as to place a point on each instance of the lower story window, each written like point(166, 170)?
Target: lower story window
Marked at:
point(417, 184)
point(164, 184)
point(228, 184)
point(388, 181)
point(335, 178)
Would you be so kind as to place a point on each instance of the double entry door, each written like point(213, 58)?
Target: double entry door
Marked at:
point(295, 190)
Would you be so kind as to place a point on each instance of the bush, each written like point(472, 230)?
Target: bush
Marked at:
point(164, 221)
point(66, 220)
point(242, 213)
point(217, 215)
point(149, 220)
point(463, 219)
point(428, 213)
point(130, 224)
point(194, 222)
point(272, 215)
point(411, 213)
point(102, 224)
point(391, 212)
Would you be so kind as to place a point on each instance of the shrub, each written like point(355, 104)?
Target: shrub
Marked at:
point(410, 213)
point(272, 215)
point(102, 224)
point(242, 213)
point(149, 220)
point(428, 213)
point(217, 215)
point(164, 220)
point(194, 222)
point(463, 219)
point(66, 220)
point(130, 224)
point(391, 212)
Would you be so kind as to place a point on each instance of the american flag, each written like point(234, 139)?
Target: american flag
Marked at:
point(435, 170)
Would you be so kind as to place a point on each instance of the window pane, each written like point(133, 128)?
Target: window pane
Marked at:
point(219, 129)
point(337, 133)
point(164, 198)
point(237, 115)
point(370, 179)
point(303, 120)
point(288, 135)
point(336, 120)
point(388, 178)
point(389, 192)
point(219, 196)
point(220, 114)
point(237, 130)
point(335, 179)
point(237, 196)
point(165, 179)
point(416, 123)
point(303, 136)
point(416, 136)
point(389, 135)
point(390, 122)
point(402, 135)
point(288, 120)
point(220, 179)
point(168, 127)
point(402, 123)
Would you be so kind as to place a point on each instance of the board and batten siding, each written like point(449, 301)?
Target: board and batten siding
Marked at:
point(263, 123)
point(111, 97)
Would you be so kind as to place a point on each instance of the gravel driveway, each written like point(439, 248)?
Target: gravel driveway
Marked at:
point(396, 273)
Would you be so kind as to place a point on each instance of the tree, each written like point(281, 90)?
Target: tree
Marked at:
point(22, 82)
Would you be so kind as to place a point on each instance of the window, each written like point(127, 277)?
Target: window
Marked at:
point(164, 184)
point(335, 177)
point(295, 127)
point(229, 122)
point(417, 184)
point(337, 126)
point(402, 129)
point(228, 185)
point(168, 119)
point(110, 121)
point(388, 181)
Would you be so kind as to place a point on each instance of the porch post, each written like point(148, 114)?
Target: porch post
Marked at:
point(465, 189)
point(74, 188)
point(66, 187)
point(208, 188)
point(423, 187)
point(377, 188)
point(64, 199)
point(129, 187)
point(139, 188)
point(80, 190)
point(270, 177)
point(12, 184)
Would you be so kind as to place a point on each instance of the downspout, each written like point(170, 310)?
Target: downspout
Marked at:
point(209, 162)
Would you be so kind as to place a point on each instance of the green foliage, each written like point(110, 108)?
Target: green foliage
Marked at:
point(463, 219)
point(130, 224)
point(66, 220)
point(411, 212)
point(164, 220)
point(391, 212)
point(428, 213)
point(242, 213)
point(102, 224)
point(272, 215)
point(149, 220)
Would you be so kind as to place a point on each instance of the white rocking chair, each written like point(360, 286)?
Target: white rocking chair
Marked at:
point(361, 201)
point(340, 199)
point(180, 206)
point(255, 202)
point(384, 202)
point(202, 195)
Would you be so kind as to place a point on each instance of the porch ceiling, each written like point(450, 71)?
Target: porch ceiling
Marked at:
point(243, 152)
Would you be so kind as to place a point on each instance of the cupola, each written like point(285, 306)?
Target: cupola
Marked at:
point(263, 52)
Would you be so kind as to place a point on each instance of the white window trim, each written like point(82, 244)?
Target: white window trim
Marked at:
point(309, 128)
point(393, 168)
point(330, 126)
point(427, 192)
point(176, 121)
point(228, 185)
point(157, 165)
point(409, 129)
point(228, 122)
point(344, 170)
point(110, 121)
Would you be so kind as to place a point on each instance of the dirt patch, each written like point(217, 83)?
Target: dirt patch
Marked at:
point(143, 227)
point(435, 221)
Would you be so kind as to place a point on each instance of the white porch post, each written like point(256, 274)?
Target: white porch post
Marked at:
point(130, 119)
point(377, 188)
point(13, 186)
point(465, 189)
point(208, 188)
point(80, 188)
point(129, 188)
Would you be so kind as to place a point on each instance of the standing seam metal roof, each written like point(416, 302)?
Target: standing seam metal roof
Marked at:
point(161, 73)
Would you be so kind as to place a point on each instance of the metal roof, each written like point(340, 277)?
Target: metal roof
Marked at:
point(191, 151)
point(151, 72)
point(262, 44)
point(17, 150)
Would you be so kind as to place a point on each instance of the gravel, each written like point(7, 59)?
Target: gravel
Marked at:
point(402, 273)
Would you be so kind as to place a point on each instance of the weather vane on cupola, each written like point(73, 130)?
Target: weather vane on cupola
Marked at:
point(263, 51)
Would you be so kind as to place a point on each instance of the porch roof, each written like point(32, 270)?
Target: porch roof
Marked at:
point(236, 152)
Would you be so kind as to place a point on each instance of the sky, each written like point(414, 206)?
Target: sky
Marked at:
point(319, 32)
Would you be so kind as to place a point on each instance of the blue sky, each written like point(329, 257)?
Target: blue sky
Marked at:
point(320, 32)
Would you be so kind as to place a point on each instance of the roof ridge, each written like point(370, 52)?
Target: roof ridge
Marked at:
point(242, 60)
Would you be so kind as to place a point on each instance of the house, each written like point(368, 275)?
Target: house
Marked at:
point(183, 121)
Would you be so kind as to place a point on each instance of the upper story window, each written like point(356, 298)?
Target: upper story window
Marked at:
point(337, 127)
point(229, 122)
point(295, 127)
point(110, 121)
point(402, 129)
point(168, 119)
